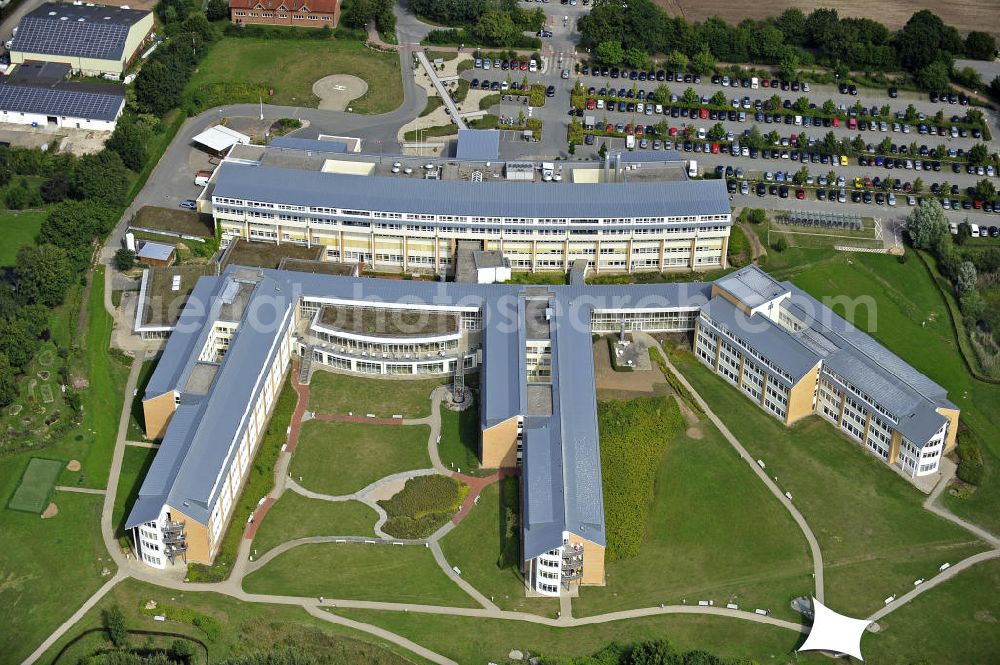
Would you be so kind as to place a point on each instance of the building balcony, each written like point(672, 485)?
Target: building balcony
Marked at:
point(172, 527)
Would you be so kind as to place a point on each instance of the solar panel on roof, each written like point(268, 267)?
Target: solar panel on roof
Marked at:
point(87, 39)
point(60, 102)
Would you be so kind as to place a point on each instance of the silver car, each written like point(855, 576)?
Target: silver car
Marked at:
point(565, 73)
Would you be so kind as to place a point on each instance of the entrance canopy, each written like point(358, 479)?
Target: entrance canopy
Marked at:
point(220, 138)
point(834, 632)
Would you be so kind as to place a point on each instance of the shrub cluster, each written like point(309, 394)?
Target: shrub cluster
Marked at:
point(634, 436)
point(970, 456)
point(424, 504)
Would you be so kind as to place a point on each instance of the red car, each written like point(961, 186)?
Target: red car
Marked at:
point(703, 113)
point(800, 193)
point(673, 132)
point(835, 121)
point(591, 104)
point(639, 130)
point(628, 128)
point(610, 128)
point(523, 65)
point(715, 148)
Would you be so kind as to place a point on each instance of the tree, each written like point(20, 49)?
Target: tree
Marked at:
point(923, 39)
point(927, 224)
point(124, 259)
point(653, 652)
point(217, 10)
point(19, 195)
point(690, 96)
point(801, 176)
point(918, 185)
point(101, 176)
point(182, 649)
point(965, 280)
point(719, 99)
point(716, 132)
point(829, 108)
point(676, 61)
point(495, 27)
point(757, 216)
point(980, 45)
point(801, 104)
point(610, 53)
point(933, 77)
point(788, 66)
point(129, 141)
point(703, 62)
point(978, 155)
point(8, 381)
point(972, 306)
point(662, 94)
point(780, 245)
point(985, 191)
point(114, 624)
point(43, 274)
point(57, 187)
point(636, 57)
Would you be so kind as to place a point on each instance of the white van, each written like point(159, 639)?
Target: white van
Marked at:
point(693, 169)
point(754, 82)
point(798, 120)
point(630, 142)
point(532, 65)
point(975, 230)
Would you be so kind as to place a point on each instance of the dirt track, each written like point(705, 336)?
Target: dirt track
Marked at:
point(965, 15)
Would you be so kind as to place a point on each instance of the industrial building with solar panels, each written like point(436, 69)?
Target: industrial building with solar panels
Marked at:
point(92, 39)
point(38, 94)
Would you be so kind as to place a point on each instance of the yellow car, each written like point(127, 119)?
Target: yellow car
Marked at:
point(858, 183)
point(843, 160)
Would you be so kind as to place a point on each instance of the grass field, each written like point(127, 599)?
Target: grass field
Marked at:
point(332, 393)
point(37, 483)
point(246, 628)
point(19, 228)
point(341, 458)
point(961, 614)
point(486, 548)
point(478, 640)
point(875, 536)
point(963, 15)
point(239, 69)
point(388, 573)
point(713, 532)
point(295, 516)
point(135, 463)
point(459, 447)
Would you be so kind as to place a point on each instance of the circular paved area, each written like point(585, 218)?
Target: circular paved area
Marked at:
point(337, 91)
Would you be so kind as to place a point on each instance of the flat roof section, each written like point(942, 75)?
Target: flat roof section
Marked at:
point(201, 377)
point(536, 319)
point(162, 303)
point(539, 399)
point(383, 322)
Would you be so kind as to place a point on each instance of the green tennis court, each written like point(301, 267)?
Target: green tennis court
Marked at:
point(32, 495)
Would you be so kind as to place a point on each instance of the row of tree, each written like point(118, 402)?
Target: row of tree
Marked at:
point(628, 33)
point(483, 22)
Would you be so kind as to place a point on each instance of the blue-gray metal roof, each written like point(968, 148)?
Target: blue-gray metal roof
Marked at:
point(751, 286)
point(309, 145)
point(478, 145)
point(783, 349)
point(73, 30)
point(459, 197)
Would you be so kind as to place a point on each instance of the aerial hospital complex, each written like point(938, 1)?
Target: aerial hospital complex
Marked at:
point(231, 349)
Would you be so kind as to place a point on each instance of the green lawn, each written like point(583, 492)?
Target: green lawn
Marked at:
point(485, 546)
point(459, 447)
point(19, 228)
point(357, 571)
point(332, 393)
point(247, 628)
point(33, 492)
point(714, 532)
point(241, 69)
point(49, 567)
point(295, 516)
point(875, 536)
point(106, 374)
point(477, 640)
point(341, 458)
point(953, 623)
point(137, 420)
point(135, 464)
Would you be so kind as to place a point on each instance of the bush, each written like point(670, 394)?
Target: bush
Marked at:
point(634, 436)
point(780, 244)
point(423, 506)
point(124, 259)
point(208, 625)
point(970, 464)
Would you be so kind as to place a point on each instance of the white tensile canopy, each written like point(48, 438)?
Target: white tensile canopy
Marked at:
point(834, 632)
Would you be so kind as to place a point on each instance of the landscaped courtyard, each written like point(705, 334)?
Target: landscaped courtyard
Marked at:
point(340, 394)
